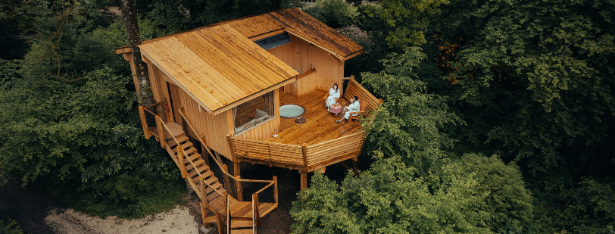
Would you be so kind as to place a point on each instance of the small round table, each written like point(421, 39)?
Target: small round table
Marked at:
point(335, 108)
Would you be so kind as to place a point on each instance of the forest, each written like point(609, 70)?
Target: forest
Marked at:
point(498, 116)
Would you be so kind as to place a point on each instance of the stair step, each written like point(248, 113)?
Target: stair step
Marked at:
point(241, 224)
point(242, 231)
point(175, 129)
point(211, 180)
point(196, 163)
point(193, 173)
point(194, 157)
point(204, 174)
point(184, 146)
point(181, 139)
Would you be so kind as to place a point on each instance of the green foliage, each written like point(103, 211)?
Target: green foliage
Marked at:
point(508, 199)
point(401, 22)
point(392, 197)
point(11, 228)
point(185, 14)
point(70, 123)
point(533, 81)
point(334, 13)
point(408, 123)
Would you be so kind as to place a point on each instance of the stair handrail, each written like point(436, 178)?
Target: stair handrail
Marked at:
point(215, 160)
point(183, 167)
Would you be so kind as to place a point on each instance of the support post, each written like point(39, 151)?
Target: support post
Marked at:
point(255, 210)
point(236, 171)
point(275, 191)
point(355, 166)
point(220, 223)
point(303, 180)
point(226, 180)
point(160, 132)
point(228, 214)
point(144, 123)
point(182, 164)
point(205, 153)
point(204, 201)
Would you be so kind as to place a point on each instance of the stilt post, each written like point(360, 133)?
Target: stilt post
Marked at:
point(237, 171)
point(275, 191)
point(355, 166)
point(144, 123)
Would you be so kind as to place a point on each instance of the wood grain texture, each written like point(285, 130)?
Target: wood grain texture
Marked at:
point(302, 56)
point(216, 65)
point(320, 125)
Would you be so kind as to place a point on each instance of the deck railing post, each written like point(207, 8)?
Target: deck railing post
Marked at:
point(160, 132)
point(182, 163)
point(228, 214)
point(255, 211)
point(144, 123)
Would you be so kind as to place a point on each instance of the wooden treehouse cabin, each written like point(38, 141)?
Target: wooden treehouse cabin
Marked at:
point(224, 86)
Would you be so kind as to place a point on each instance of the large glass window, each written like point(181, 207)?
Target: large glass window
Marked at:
point(254, 112)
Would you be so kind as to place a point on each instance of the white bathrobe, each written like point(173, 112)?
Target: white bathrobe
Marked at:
point(333, 94)
point(353, 107)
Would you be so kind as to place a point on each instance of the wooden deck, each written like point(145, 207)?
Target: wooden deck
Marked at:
point(320, 125)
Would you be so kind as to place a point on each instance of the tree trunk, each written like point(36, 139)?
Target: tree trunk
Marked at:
point(129, 13)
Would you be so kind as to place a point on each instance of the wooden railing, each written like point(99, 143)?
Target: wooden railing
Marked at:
point(307, 158)
point(323, 153)
point(260, 151)
point(224, 169)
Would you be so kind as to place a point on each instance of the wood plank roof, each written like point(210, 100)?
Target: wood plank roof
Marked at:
point(220, 66)
point(217, 66)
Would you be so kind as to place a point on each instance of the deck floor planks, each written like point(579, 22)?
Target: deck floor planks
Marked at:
point(320, 125)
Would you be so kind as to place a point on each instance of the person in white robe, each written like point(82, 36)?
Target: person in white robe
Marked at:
point(354, 106)
point(334, 94)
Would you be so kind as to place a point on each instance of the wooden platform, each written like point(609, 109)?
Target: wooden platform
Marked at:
point(320, 125)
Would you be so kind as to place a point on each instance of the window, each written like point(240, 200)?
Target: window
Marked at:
point(253, 113)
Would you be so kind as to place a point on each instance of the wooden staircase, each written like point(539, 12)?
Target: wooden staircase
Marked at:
point(215, 197)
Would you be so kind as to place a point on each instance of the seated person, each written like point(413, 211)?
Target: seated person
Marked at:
point(354, 106)
point(334, 94)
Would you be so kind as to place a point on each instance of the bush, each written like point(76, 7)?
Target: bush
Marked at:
point(9, 229)
point(334, 13)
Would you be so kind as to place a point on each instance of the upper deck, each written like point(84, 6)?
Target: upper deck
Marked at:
point(320, 125)
point(313, 145)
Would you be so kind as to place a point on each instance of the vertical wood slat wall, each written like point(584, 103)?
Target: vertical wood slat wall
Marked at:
point(329, 70)
point(213, 128)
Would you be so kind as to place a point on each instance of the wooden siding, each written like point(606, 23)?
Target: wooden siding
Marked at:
point(217, 66)
point(213, 128)
point(302, 56)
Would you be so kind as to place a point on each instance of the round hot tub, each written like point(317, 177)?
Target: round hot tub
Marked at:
point(291, 111)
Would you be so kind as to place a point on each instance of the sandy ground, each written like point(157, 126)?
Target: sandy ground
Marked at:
point(178, 220)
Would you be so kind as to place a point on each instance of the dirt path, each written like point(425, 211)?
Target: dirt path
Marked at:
point(178, 220)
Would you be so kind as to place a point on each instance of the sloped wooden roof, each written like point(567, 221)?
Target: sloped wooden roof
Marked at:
point(300, 24)
point(310, 29)
point(217, 66)
point(220, 66)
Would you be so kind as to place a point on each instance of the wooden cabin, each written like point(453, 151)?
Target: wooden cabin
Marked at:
point(223, 85)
